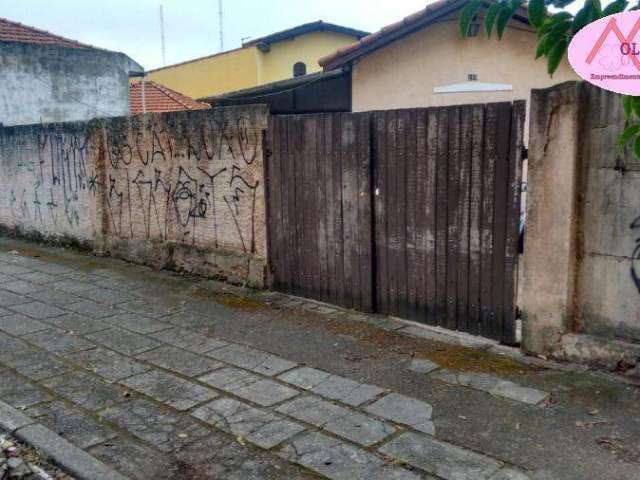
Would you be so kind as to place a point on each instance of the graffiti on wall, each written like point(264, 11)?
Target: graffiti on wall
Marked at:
point(195, 182)
point(635, 256)
point(48, 176)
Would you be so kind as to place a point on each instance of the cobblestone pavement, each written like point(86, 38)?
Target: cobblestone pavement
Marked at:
point(160, 376)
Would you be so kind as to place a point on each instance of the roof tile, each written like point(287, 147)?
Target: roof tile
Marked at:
point(17, 32)
point(159, 98)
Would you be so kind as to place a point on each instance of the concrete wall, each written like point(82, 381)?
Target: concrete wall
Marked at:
point(46, 84)
point(581, 268)
point(182, 190)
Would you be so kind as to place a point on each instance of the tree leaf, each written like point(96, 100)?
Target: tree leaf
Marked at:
point(503, 18)
point(490, 17)
point(635, 106)
point(584, 16)
point(555, 55)
point(467, 15)
point(628, 134)
point(615, 7)
point(561, 3)
point(537, 12)
point(636, 147)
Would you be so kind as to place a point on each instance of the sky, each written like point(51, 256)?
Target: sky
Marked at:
point(191, 26)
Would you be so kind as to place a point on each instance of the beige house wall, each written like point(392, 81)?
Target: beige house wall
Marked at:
point(404, 73)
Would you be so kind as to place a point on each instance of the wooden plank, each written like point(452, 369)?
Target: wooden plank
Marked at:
point(273, 202)
point(329, 208)
point(298, 162)
point(323, 211)
point(453, 240)
point(442, 216)
point(431, 216)
point(420, 229)
point(379, 159)
point(349, 209)
point(487, 313)
point(513, 219)
point(365, 239)
point(413, 268)
point(391, 207)
point(401, 213)
point(311, 214)
point(337, 208)
point(466, 146)
point(500, 218)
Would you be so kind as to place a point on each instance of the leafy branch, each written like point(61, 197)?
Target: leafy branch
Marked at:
point(555, 31)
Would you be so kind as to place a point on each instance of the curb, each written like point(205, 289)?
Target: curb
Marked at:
point(66, 455)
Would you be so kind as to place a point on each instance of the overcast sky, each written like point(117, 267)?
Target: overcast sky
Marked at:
point(191, 26)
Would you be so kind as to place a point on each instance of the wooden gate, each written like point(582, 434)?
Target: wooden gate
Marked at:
point(412, 213)
point(319, 207)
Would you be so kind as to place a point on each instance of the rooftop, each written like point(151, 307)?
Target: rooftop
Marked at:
point(17, 32)
point(159, 98)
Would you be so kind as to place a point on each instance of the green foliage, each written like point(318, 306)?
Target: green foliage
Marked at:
point(555, 31)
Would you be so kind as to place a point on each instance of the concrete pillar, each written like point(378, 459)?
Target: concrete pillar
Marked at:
point(552, 216)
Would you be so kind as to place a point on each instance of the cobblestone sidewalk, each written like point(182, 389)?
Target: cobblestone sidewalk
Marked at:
point(148, 387)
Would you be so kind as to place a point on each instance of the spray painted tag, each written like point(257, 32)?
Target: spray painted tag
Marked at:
point(606, 53)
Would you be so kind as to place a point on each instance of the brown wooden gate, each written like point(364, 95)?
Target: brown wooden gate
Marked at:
point(412, 213)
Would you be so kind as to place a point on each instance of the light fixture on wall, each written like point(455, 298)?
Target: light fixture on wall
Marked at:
point(472, 77)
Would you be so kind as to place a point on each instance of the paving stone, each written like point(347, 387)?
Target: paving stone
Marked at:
point(405, 410)
point(9, 299)
point(38, 310)
point(265, 429)
point(493, 385)
point(117, 282)
point(189, 340)
point(185, 363)
point(10, 344)
point(78, 324)
point(108, 364)
point(55, 297)
point(86, 390)
point(22, 287)
point(519, 393)
point(249, 386)
point(71, 424)
point(17, 324)
point(4, 312)
point(340, 461)
point(56, 340)
point(123, 341)
point(82, 277)
point(35, 365)
point(12, 269)
point(72, 286)
point(92, 309)
point(160, 427)
point(12, 419)
point(52, 268)
point(341, 421)
point(106, 296)
point(170, 390)
point(8, 278)
point(18, 393)
point(439, 458)
point(137, 323)
point(252, 359)
point(135, 461)
point(144, 308)
point(510, 474)
point(39, 278)
point(70, 458)
point(422, 365)
point(331, 386)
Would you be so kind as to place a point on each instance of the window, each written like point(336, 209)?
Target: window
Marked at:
point(299, 69)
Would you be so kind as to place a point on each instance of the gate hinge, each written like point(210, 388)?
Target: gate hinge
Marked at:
point(525, 153)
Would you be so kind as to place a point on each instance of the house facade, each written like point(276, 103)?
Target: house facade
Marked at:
point(47, 78)
point(280, 56)
point(424, 61)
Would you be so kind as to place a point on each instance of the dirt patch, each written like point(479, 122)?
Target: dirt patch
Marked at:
point(238, 303)
point(452, 357)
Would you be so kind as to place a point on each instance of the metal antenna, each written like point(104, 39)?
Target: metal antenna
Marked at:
point(220, 22)
point(164, 53)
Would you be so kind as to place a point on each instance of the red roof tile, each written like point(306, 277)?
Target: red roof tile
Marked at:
point(159, 98)
point(17, 32)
